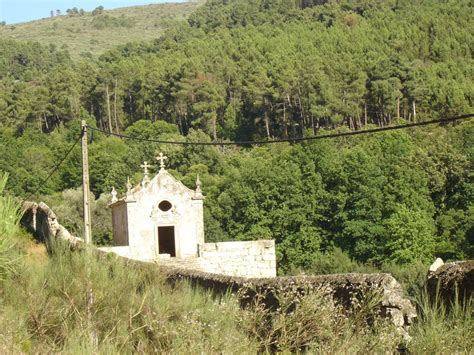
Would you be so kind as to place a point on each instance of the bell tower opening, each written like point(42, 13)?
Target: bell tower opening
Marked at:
point(166, 241)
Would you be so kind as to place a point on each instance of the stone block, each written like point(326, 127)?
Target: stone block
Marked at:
point(207, 247)
point(268, 257)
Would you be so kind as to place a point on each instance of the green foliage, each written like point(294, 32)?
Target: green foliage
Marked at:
point(336, 261)
point(101, 22)
point(240, 70)
point(68, 206)
point(9, 228)
point(410, 236)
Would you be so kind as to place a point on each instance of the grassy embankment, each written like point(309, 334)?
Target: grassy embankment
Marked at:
point(88, 34)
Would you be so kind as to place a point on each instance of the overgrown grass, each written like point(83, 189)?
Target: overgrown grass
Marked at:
point(441, 329)
point(311, 322)
point(77, 302)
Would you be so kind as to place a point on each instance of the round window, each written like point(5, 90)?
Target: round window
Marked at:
point(165, 206)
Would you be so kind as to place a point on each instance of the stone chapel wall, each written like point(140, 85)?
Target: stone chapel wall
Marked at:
point(243, 259)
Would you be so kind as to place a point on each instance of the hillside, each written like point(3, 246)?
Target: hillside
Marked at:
point(88, 35)
point(254, 70)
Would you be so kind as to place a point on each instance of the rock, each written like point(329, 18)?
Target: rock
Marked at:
point(436, 265)
point(452, 279)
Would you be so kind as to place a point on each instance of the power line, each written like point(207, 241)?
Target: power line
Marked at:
point(55, 168)
point(293, 140)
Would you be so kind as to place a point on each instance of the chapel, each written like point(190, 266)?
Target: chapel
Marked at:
point(159, 218)
point(162, 221)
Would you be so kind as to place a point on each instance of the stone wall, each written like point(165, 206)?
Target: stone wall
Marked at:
point(347, 290)
point(42, 222)
point(244, 259)
point(450, 281)
point(255, 259)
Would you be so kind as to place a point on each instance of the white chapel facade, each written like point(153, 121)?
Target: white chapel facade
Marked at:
point(162, 220)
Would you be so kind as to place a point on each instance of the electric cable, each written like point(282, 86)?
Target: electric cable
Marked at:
point(55, 168)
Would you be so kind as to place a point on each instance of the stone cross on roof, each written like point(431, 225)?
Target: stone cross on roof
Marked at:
point(162, 159)
point(145, 166)
point(146, 178)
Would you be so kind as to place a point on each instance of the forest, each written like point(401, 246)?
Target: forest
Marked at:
point(262, 70)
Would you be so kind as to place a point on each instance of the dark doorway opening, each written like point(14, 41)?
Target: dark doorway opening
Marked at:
point(166, 241)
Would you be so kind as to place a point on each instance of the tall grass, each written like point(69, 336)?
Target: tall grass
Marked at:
point(78, 302)
point(312, 322)
point(135, 310)
point(443, 328)
point(9, 226)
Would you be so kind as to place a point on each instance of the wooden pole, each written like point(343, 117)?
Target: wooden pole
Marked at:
point(88, 233)
point(85, 186)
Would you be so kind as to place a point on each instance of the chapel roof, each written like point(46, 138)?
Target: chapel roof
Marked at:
point(161, 181)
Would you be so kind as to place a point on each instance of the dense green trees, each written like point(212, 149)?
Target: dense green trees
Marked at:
point(261, 69)
point(243, 69)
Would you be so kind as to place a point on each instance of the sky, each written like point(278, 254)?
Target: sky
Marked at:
point(15, 11)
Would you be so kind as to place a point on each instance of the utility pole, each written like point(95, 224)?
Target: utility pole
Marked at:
point(85, 186)
point(87, 233)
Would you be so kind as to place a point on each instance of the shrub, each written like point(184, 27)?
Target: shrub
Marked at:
point(336, 261)
point(310, 321)
point(98, 10)
point(9, 226)
point(106, 21)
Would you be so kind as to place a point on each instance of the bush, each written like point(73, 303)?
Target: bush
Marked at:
point(336, 261)
point(9, 227)
point(98, 10)
point(106, 21)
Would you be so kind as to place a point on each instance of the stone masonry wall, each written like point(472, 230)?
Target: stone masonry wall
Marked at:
point(243, 259)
